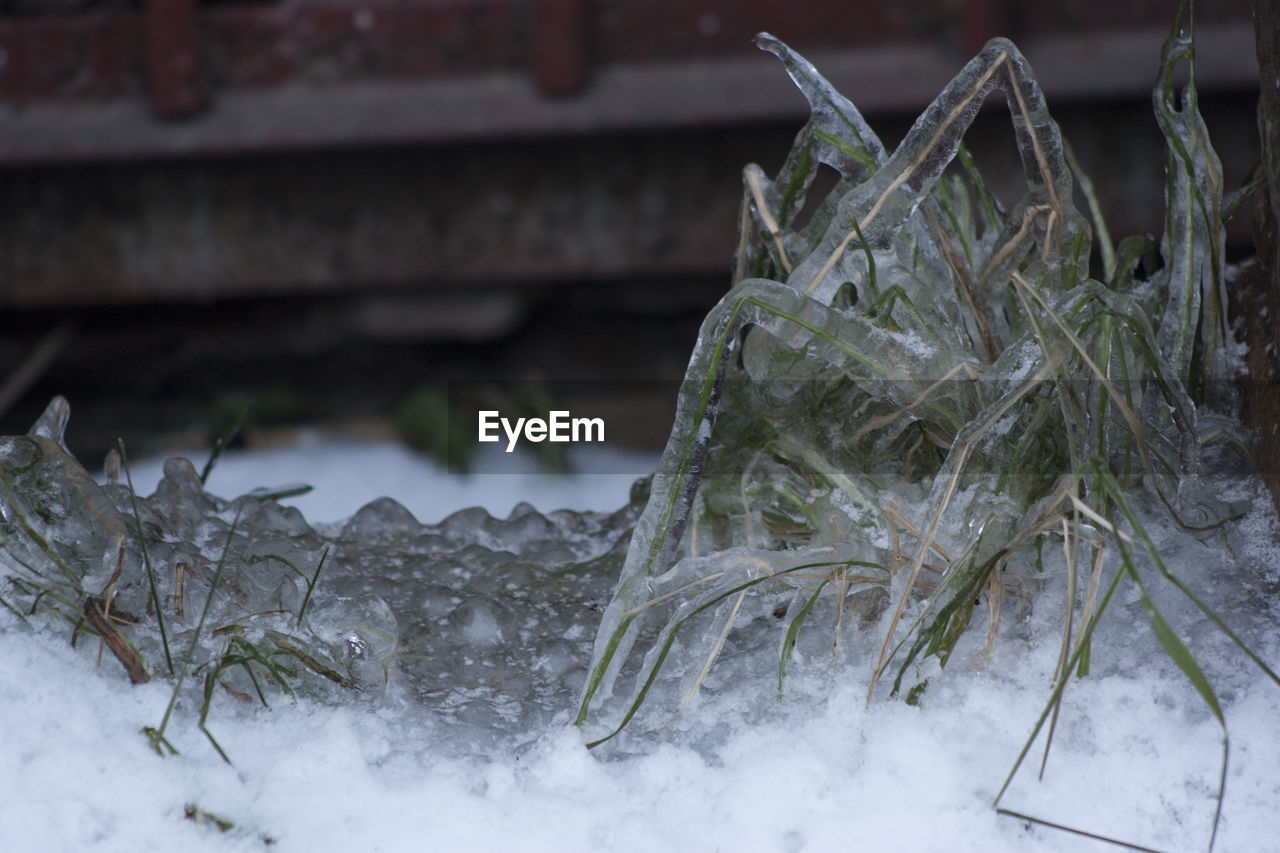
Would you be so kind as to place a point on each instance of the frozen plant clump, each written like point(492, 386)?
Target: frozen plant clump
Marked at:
point(486, 622)
point(914, 394)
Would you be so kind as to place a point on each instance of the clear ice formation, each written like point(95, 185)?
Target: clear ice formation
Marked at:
point(910, 388)
point(487, 621)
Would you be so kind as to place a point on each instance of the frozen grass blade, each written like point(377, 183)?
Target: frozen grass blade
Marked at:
point(266, 494)
point(668, 637)
point(156, 735)
point(221, 444)
point(310, 581)
point(17, 512)
point(947, 616)
point(1106, 839)
point(1168, 639)
point(1116, 494)
point(239, 652)
point(1105, 246)
point(15, 611)
point(146, 559)
point(715, 649)
point(793, 631)
point(854, 149)
point(311, 584)
point(1180, 655)
point(1194, 240)
point(1055, 698)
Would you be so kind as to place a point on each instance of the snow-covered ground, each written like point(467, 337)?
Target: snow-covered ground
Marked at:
point(345, 475)
point(1136, 755)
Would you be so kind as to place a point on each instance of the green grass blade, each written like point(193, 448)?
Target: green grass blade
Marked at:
point(221, 444)
point(1107, 839)
point(1056, 696)
point(146, 559)
point(15, 611)
point(793, 630)
point(1113, 488)
point(311, 585)
point(668, 637)
point(1105, 246)
point(1178, 652)
point(156, 735)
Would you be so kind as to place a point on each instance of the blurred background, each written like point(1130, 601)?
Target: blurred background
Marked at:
point(352, 214)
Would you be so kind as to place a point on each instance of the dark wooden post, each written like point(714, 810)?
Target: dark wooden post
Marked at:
point(173, 71)
point(559, 59)
point(1266, 28)
point(1258, 285)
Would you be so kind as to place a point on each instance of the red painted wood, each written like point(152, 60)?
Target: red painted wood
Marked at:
point(559, 51)
point(171, 56)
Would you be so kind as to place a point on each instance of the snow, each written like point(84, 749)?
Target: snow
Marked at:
point(345, 475)
point(1136, 754)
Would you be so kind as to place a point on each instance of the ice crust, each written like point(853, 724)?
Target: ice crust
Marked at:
point(487, 621)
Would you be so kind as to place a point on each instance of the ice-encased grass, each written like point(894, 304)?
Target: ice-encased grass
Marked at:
point(486, 621)
point(906, 399)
